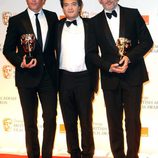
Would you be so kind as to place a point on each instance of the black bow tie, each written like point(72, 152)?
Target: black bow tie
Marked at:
point(109, 15)
point(68, 23)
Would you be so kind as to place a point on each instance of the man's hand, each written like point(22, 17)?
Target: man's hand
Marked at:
point(117, 69)
point(120, 69)
point(124, 61)
point(29, 65)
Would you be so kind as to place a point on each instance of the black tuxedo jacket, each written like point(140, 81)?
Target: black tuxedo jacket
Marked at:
point(93, 72)
point(13, 51)
point(133, 27)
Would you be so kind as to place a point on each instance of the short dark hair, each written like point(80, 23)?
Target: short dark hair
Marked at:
point(80, 3)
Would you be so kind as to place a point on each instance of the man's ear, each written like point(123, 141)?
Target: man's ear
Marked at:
point(44, 1)
point(100, 1)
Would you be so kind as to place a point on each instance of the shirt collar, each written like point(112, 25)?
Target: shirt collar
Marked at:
point(77, 19)
point(31, 13)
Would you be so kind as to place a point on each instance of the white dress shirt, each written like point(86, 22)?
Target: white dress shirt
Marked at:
point(72, 55)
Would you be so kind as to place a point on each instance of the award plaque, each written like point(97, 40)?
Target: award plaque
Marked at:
point(123, 44)
point(28, 44)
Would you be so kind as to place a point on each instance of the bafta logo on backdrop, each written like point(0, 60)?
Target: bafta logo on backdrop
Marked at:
point(7, 124)
point(7, 71)
point(5, 17)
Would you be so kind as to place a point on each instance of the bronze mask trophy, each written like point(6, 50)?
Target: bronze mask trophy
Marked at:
point(123, 44)
point(28, 44)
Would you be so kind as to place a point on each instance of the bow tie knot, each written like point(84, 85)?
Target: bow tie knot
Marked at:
point(68, 23)
point(113, 13)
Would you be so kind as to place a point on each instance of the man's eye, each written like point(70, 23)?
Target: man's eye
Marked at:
point(74, 4)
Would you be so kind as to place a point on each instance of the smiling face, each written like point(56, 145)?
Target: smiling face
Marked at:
point(109, 4)
point(71, 9)
point(35, 5)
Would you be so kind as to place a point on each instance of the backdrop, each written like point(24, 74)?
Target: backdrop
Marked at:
point(11, 120)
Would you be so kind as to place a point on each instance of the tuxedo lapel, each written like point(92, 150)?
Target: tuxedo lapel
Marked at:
point(102, 22)
point(122, 23)
point(85, 32)
point(49, 26)
point(27, 23)
point(59, 32)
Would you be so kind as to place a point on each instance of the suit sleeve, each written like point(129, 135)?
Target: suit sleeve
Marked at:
point(144, 40)
point(93, 55)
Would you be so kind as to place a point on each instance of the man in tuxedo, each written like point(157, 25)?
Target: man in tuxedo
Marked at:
point(77, 79)
point(36, 79)
point(123, 39)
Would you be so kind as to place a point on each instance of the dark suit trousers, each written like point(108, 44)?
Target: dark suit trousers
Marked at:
point(125, 100)
point(29, 102)
point(75, 100)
